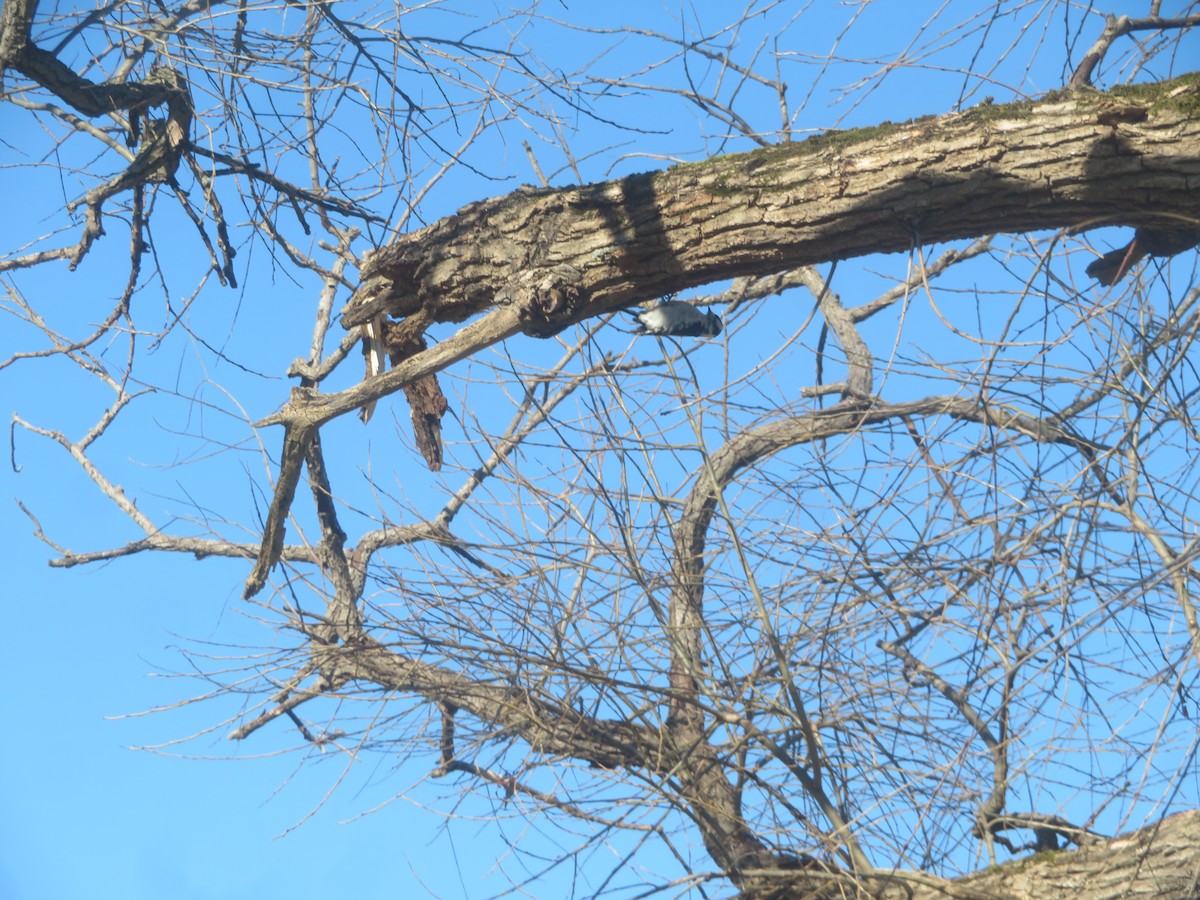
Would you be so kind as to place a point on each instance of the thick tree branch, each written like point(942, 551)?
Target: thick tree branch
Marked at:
point(1073, 160)
point(1156, 861)
point(19, 52)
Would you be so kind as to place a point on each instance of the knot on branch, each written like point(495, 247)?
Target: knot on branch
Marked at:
point(161, 142)
point(166, 139)
point(548, 300)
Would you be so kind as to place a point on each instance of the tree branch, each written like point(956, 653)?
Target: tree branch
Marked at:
point(1062, 162)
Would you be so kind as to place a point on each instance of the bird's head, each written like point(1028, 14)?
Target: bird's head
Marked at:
point(713, 324)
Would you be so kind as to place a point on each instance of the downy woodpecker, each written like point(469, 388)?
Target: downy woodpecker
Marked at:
point(677, 319)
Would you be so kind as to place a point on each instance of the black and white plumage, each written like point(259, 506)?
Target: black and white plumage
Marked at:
point(678, 319)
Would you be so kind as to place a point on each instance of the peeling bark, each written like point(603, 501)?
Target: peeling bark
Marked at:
point(426, 401)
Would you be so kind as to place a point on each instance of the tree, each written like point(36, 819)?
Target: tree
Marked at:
point(850, 615)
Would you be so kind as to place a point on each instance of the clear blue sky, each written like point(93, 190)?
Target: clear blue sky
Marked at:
point(84, 815)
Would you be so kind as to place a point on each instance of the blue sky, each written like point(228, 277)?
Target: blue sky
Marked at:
point(85, 814)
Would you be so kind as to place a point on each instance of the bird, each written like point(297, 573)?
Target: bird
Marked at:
point(677, 319)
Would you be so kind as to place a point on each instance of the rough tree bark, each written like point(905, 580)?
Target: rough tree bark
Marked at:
point(1158, 861)
point(1075, 160)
